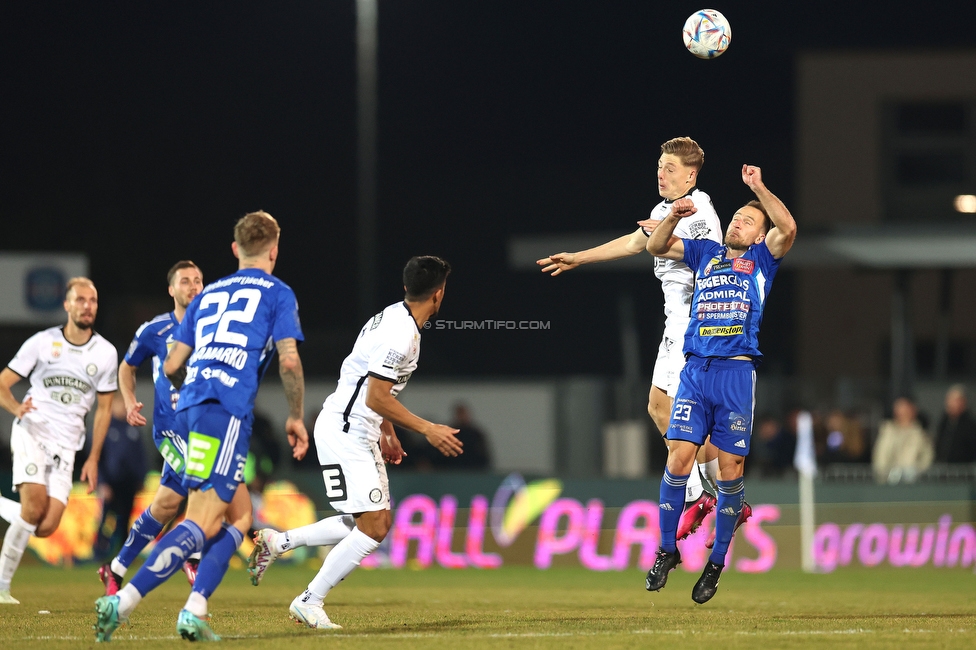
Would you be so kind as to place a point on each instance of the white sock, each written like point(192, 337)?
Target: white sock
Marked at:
point(195, 556)
point(327, 532)
point(339, 563)
point(9, 509)
point(129, 599)
point(196, 604)
point(711, 474)
point(693, 489)
point(14, 545)
point(117, 568)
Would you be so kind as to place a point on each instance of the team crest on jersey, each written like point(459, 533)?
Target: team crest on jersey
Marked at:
point(56, 350)
point(740, 265)
point(716, 264)
point(91, 369)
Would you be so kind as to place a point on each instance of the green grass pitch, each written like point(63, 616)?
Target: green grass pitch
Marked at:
point(524, 607)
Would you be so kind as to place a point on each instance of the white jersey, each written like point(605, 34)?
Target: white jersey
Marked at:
point(388, 348)
point(677, 280)
point(64, 382)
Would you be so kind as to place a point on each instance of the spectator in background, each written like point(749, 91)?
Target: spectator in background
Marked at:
point(846, 441)
point(955, 438)
point(476, 452)
point(902, 450)
point(773, 447)
point(121, 474)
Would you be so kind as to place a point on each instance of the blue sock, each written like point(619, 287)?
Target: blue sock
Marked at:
point(168, 556)
point(731, 496)
point(216, 558)
point(672, 502)
point(144, 530)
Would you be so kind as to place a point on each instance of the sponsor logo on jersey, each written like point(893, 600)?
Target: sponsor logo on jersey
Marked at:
point(711, 266)
point(666, 506)
point(91, 369)
point(740, 265)
point(738, 422)
point(729, 510)
point(393, 359)
point(699, 229)
point(56, 350)
point(375, 495)
point(31, 469)
point(721, 330)
point(741, 444)
point(219, 375)
point(66, 382)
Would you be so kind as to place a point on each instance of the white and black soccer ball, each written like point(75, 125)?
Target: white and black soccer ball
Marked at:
point(707, 33)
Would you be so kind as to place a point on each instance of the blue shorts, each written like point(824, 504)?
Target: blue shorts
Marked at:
point(168, 443)
point(216, 448)
point(715, 397)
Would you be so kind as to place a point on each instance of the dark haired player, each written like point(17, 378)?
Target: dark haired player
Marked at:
point(153, 340)
point(354, 435)
point(717, 390)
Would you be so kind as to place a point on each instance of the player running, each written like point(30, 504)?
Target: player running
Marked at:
point(153, 340)
point(227, 338)
point(354, 435)
point(70, 369)
point(717, 393)
point(677, 177)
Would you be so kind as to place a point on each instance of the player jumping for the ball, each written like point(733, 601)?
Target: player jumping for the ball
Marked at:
point(717, 391)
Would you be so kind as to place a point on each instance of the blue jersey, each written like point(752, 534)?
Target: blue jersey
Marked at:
point(233, 326)
point(730, 294)
point(153, 340)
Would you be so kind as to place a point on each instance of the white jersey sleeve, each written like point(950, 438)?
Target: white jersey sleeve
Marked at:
point(677, 280)
point(26, 358)
point(388, 348)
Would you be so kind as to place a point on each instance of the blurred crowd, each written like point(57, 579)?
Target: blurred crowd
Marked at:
point(899, 450)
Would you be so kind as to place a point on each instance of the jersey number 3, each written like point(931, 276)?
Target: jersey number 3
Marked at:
point(224, 317)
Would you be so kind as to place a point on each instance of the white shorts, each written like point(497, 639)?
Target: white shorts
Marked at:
point(667, 368)
point(352, 468)
point(45, 464)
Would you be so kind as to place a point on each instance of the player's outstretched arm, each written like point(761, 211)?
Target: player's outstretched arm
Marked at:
point(380, 400)
point(780, 239)
point(662, 243)
point(293, 379)
point(625, 246)
point(175, 365)
point(7, 400)
point(103, 417)
point(127, 386)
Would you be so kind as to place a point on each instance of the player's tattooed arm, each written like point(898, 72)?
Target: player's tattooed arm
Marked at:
point(292, 376)
point(293, 380)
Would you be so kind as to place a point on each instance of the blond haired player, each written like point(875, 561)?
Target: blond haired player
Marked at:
point(677, 178)
point(70, 367)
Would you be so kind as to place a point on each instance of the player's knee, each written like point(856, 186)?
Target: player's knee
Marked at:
point(46, 528)
point(33, 512)
point(375, 524)
point(164, 510)
point(243, 522)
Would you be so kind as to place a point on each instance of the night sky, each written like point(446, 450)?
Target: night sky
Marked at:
point(138, 132)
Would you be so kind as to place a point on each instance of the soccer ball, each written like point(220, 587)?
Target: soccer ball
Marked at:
point(707, 34)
